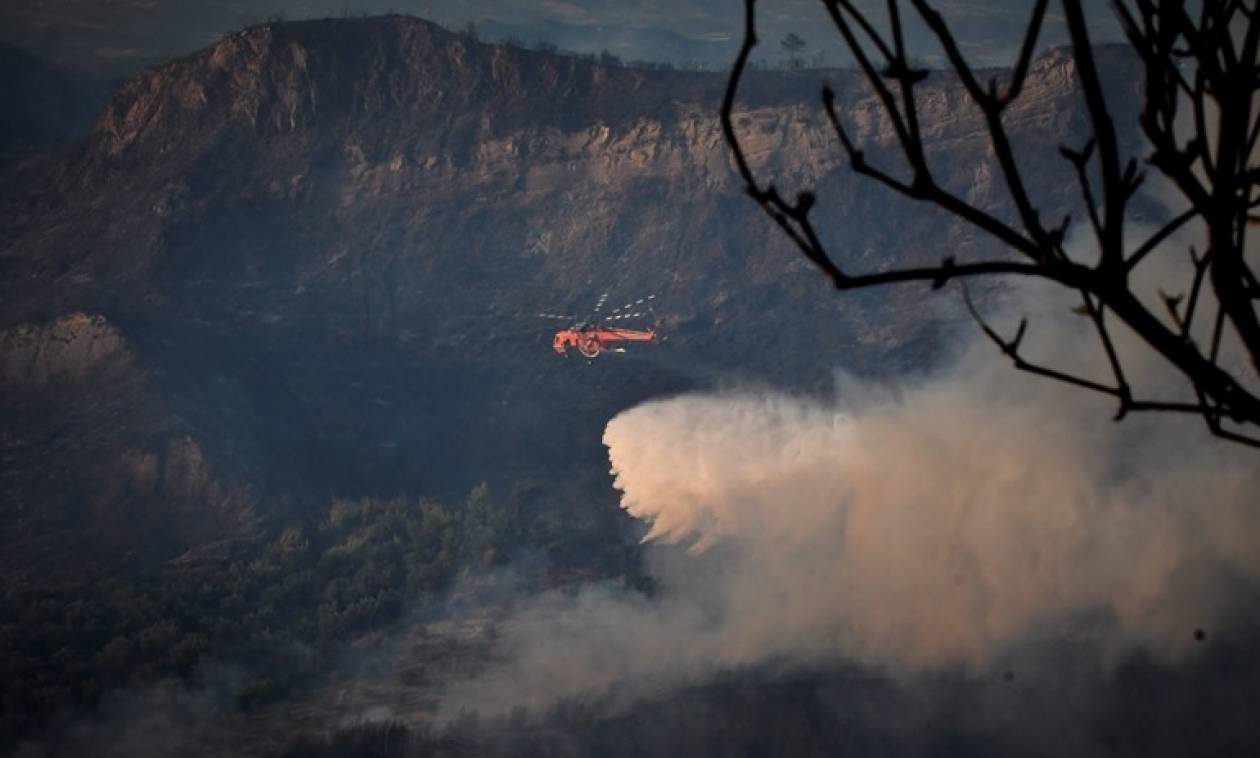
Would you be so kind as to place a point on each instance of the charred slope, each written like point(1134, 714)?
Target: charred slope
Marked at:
point(99, 474)
point(326, 243)
point(306, 263)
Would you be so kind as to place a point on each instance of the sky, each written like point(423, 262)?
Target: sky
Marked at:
point(121, 36)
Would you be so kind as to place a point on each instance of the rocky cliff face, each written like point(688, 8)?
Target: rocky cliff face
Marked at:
point(324, 245)
point(97, 473)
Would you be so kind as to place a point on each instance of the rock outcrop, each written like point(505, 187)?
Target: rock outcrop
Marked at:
point(98, 474)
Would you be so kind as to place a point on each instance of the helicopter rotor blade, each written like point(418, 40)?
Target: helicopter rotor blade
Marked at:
point(634, 303)
point(599, 306)
point(621, 312)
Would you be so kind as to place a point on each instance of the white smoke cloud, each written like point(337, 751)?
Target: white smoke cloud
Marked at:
point(949, 525)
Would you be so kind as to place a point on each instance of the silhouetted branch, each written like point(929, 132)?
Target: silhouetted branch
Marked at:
point(1010, 348)
point(1211, 170)
point(1026, 53)
point(992, 106)
point(1121, 392)
point(1159, 237)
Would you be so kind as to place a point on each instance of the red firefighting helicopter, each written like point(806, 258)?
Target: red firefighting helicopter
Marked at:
point(593, 335)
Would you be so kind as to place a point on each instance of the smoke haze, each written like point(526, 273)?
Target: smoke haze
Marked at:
point(972, 519)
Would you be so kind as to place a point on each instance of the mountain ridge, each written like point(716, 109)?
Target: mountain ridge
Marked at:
point(327, 243)
point(293, 280)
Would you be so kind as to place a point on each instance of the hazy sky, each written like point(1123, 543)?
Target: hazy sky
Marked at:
point(122, 35)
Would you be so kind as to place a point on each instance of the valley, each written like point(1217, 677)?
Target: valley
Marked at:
point(284, 440)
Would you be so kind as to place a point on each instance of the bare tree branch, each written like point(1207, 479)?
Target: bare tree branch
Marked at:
point(1026, 53)
point(1010, 348)
point(1212, 170)
point(992, 107)
point(1158, 238)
